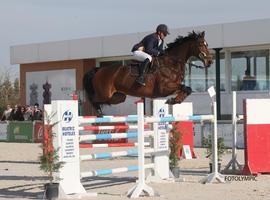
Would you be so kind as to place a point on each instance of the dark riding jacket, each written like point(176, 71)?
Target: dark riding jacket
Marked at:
point(150, 45)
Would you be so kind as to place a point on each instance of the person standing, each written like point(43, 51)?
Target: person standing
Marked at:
point(37, 113)
point(28, 113)
point(7, 113)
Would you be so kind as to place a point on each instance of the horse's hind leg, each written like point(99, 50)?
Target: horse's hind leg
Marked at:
point(182, 92)
point(117, 98)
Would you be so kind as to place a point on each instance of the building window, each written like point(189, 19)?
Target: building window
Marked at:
point(250, 70)
point(201, 79)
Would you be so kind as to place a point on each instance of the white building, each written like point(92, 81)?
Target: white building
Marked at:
point(244, 47)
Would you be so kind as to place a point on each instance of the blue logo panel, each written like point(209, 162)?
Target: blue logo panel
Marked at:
point(67, 116)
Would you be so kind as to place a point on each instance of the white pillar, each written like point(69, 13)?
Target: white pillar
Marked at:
point(215, 175)
point(140, 186)
point(65, 117)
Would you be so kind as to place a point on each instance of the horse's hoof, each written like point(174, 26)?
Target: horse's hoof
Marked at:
point(99, 113)
point(170, 101)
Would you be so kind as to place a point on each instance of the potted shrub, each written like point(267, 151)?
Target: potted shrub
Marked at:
point(222, 150)
point(175, 144)
point(49, 160)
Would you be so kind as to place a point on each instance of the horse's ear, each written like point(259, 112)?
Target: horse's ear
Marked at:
point(203, 34)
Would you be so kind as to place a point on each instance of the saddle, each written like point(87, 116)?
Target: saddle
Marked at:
point(135, 65)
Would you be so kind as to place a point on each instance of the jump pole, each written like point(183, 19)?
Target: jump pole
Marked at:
point(233, 162)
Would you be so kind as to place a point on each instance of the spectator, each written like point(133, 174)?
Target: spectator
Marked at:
point(37, 113)
point(28, 113)
point(7, 113)
point(249, 82)
point(21, 113)
point(16, 113)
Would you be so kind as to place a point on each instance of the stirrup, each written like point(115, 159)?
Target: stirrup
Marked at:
point(140, 80)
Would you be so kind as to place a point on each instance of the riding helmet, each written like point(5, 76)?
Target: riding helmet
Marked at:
point(163, 28)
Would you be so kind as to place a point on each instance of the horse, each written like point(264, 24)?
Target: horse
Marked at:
point(111, 85)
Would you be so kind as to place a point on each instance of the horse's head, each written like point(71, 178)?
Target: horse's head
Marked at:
point(193, 45)
point(200, 48)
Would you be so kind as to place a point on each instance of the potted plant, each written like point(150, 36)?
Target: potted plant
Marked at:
point(49, 160)
point(175, 144)
point(222, 150)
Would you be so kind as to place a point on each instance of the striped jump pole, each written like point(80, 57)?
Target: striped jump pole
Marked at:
point(109, 171)
point(130, 144)
point(90, 120)
point(107, 136)
point(147, 119)
point(103, 172)
point(112, 136)
point(115, 127)
point(131, 152)
point(179, 118)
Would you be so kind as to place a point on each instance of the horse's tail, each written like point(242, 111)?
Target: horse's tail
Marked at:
point(88, 85)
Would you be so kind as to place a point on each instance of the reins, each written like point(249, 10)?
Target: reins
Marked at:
point(194, 65)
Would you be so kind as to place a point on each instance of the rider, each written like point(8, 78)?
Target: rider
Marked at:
point(151, 45)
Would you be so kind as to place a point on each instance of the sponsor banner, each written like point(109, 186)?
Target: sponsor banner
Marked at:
point(38, 132)
point(68, 136)
point(20, 131)
point(3, 131)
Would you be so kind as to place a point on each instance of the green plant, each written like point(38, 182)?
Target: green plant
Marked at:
point(49, 160)
point(175, 144)
point(222, 149)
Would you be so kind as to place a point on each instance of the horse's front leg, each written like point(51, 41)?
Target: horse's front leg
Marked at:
point(182, 92)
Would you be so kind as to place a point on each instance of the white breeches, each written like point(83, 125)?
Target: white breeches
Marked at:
point(141, 56)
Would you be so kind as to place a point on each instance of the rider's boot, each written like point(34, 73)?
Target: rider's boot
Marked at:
point(142, 70)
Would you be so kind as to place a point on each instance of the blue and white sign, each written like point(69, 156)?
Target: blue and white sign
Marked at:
point(161, 110)
point(161, 141)
point(68, 135)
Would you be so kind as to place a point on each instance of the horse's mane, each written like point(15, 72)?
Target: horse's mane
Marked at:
point(180, 39)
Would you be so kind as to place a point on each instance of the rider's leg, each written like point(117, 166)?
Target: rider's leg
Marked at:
point(142, 70)
point(146, 58)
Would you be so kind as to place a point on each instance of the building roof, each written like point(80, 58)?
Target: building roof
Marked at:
point(237, 34)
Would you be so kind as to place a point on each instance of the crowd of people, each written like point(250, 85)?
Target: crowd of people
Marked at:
point(22, 113)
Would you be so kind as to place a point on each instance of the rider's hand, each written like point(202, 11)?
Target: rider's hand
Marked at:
point(161, 53)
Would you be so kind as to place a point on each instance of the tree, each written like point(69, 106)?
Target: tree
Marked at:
point(9, 91)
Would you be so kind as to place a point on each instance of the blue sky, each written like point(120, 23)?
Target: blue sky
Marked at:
point(34, 21)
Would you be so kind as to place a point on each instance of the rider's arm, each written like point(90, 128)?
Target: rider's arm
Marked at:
point(151, 46)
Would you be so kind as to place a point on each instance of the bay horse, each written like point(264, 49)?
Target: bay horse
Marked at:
point(110, 85)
